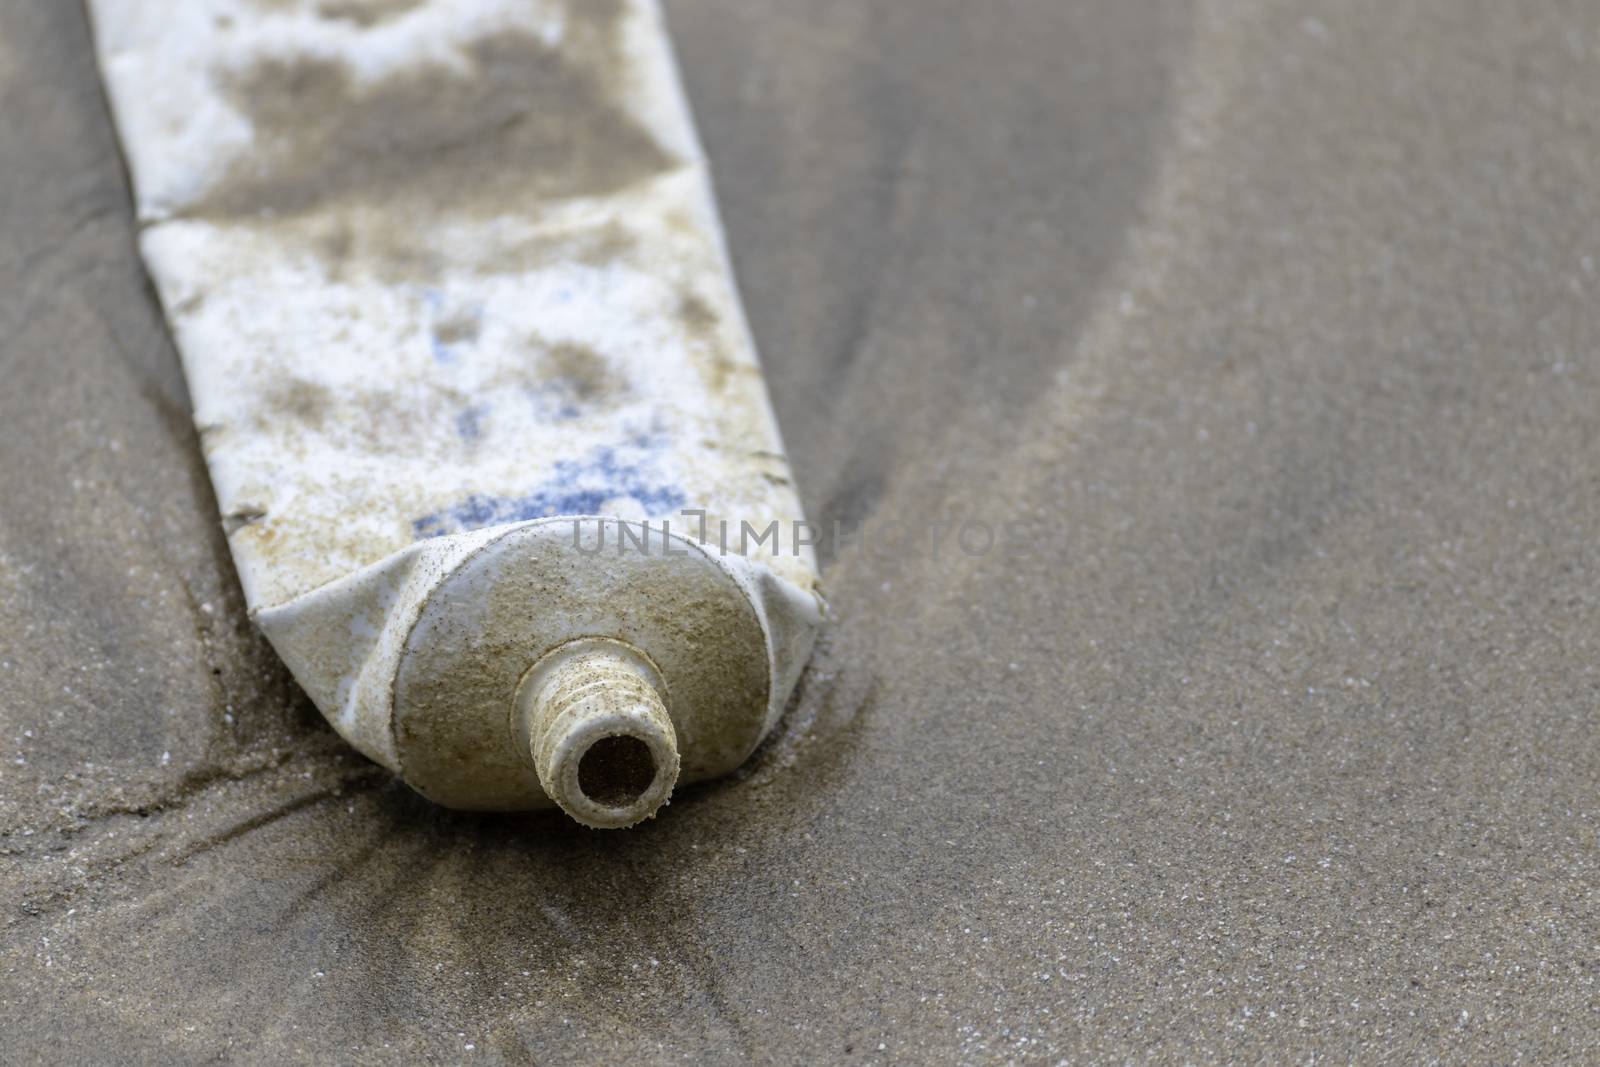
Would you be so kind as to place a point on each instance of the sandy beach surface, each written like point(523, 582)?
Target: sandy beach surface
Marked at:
point(1274, 324)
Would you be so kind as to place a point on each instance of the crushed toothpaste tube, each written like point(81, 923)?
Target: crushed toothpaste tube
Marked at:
point(472, 382)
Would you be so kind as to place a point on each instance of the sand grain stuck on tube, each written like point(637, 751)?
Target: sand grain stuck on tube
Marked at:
point(473, 383)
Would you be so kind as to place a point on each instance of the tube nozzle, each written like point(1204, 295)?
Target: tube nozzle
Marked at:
point(596, 727)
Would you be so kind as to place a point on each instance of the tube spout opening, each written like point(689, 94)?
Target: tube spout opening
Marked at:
point(595, 724)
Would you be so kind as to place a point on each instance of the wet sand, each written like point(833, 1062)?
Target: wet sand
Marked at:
point(1274, 323)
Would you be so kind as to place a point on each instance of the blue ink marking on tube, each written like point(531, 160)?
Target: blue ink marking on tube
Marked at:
point(469, 421)
point(555, 401)
point(575, 487)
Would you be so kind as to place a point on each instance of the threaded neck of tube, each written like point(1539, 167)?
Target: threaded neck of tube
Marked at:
point(597, 730)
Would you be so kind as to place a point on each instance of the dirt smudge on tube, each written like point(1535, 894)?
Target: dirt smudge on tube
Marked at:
point(366, 12)
point(433, 138)
point(588, 374)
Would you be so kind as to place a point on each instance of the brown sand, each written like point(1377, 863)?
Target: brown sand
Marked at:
point(1279, 319)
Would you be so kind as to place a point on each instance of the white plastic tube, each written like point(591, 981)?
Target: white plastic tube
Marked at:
point(452, 300)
